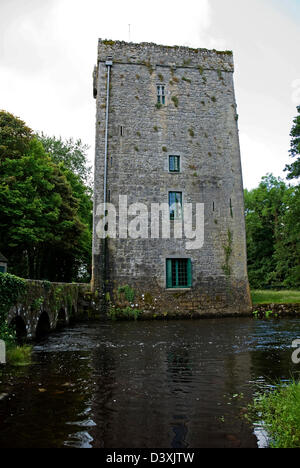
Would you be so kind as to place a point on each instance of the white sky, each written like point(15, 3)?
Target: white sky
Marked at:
point(48, 49)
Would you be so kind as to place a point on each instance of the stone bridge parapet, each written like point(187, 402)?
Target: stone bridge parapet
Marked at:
point(46, 306)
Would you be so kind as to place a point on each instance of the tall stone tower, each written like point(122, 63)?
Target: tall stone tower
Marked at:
point(167, 144)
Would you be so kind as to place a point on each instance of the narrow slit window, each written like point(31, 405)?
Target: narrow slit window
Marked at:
point(174, 163)
point(175, 205)
point(121, 130)
point(179, 273)
point(161, 94)
point(231, 211)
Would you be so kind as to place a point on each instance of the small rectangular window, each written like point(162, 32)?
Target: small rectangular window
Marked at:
point(2, 269)
point(161, 94)
point(175, 205)
point(121, 130)
point(179, 273)
point(174, 163)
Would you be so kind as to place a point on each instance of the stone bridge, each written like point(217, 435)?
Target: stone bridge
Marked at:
point(48, 306)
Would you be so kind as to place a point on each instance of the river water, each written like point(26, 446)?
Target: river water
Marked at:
point(161, 384)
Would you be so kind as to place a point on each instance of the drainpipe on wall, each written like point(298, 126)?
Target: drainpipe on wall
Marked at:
point(108, 63)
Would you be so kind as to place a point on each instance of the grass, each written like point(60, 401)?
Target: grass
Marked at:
point(275, 297)
point(19, 355)
point(126, 313)
point(279, 411)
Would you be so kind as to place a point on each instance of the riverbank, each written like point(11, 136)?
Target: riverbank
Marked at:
point(279, 411)
point(275, 297)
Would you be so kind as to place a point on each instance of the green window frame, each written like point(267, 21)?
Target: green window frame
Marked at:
point(161, 94)
point(178, 273)
point(175, 205)
point(174, 163)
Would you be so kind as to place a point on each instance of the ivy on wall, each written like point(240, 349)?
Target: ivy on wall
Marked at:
point(11, 287)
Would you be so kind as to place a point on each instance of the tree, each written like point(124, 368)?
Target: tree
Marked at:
point(15, 136)
point(294, 168)
point(273, 234)
point(287, 252)
point(71, 157)
point(44, 225)
point(72, 153)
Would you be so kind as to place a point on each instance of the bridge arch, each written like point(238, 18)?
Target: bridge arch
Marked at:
point(62, 318)
point(19, 325)
point(43, 327)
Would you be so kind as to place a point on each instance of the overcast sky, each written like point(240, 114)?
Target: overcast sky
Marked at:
point(48, 49)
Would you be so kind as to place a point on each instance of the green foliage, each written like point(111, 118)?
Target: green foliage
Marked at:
point(7, 333)
point(294, 168)
point(11, 289)
point(37, 303)
point(19, 355)
point(15, 136)
point(275, 297)
point(175, 100)
point(108, 42)
point(128, 292)
point(228, 251)
point(46, 209)
point(273, 234)
point(279, 411)
point(57, 296)
point(128, 313)
point(71, 153)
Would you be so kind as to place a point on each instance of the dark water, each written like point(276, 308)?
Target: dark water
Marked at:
point(175, 384)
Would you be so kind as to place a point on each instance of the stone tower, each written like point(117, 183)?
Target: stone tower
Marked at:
point(166, 140)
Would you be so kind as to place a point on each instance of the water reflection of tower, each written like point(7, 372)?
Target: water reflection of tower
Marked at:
point(104, 375)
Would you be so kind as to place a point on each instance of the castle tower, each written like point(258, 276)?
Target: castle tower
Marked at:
point(167, 139)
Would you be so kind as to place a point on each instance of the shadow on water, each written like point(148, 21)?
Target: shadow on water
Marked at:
point(178, 384)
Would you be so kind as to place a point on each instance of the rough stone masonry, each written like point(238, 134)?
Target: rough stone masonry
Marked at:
point(166, 128)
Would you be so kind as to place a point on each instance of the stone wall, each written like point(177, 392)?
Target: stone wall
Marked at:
point(54, 303)
point(197, 122)
point(276, 310)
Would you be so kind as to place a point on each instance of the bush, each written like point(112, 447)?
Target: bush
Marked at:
point(19, 355)
point(11, 287)
point(279, 410)
point(7, 334)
